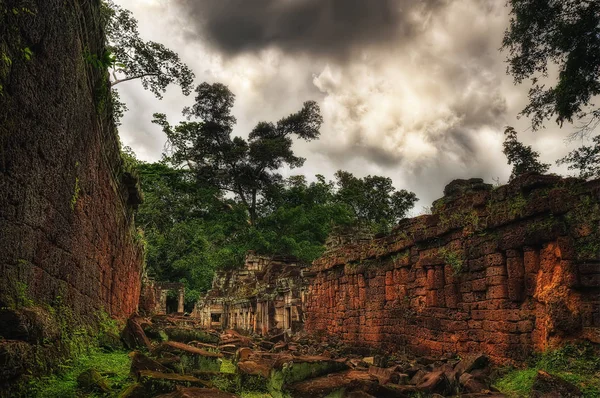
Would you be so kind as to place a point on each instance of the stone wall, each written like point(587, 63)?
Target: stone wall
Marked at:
point(66, 200)
point(265, 296)
point(504, 271)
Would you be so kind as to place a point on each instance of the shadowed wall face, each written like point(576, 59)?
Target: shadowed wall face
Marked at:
point(66, 216)
point(505, 272)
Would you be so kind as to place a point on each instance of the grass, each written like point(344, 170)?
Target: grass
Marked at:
point(114, 366)
point(227, 366)
point(578, 364)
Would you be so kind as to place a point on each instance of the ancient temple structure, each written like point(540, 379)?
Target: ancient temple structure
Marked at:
point(267, 294)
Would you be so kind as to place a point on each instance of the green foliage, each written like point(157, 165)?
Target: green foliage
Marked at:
point(102, 62)
point(27, 53)
point(5, 59)
point(586, 159)
point(561, 33)
point(114, 366)
point(453, 259)
point(521, 157)
point(214, 197)
point(245, 168)
point(516, 205)
point(373, 200)
point(23, 298)
point(578, 364)
point(130, 57)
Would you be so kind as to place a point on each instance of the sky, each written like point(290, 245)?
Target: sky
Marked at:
point(415, 90)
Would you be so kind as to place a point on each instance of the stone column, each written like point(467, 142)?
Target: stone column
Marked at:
point(180, 301)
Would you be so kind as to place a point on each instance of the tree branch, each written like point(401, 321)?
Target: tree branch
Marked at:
point(133, 78)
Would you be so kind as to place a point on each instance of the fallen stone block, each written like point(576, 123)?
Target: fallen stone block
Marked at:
point(133, 334)
point(288, 370)
point(243, 354)
point(92, 381)
point(187, 334)
point(471, 362)
point(191, 358)
point(157, 382)
point(329, 385)
point(15, 358)
point(388, 375)
point(435, 382)
point(193, 392)
point(141, 362)
point(546, 385)
point(471, 384)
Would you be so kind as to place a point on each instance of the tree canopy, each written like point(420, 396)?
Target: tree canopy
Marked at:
point(564, 33)
point(214, 196)
point(130, 57)
point(245, 168)
point(586, 159)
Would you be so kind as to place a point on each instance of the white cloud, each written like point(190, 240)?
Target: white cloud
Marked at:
point(423, 108)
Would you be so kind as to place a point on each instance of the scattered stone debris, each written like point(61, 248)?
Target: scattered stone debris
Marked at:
point(284, 366)
point(92, 381)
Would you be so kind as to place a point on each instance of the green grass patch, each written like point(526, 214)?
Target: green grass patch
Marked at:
point(227, 366)
point(254, 394)
point(578, 364)
point(114, 366)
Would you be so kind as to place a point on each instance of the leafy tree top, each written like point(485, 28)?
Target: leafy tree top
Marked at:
point(133, 58)
point(245, 168)
point(565, 33)
point(520, 156)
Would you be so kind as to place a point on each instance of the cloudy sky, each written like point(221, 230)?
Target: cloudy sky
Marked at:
point(411, 89)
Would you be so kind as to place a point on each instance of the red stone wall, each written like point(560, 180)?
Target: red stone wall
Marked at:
point(66, 220)
point(506, 272)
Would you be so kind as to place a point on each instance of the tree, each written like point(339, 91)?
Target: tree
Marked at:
point(297, 217)
point(129, 57)
point(373, 200)
point(521, 157)
point(565, 33)
point(189, 232)
point(586, 159)
point(245, 168)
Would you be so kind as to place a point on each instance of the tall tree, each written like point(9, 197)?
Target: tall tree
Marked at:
point(565, 33)
point(245, 168)
point(520, 156)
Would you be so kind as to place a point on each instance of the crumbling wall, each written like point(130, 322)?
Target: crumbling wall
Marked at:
point(504, 271)
point(66, 199)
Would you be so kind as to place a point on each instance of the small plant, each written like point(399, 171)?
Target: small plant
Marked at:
point(103, 62)
point(453, 259)
point(6, 59)
point(23, 299)
point(578, 364)
point(27, 53)
point(517, 205)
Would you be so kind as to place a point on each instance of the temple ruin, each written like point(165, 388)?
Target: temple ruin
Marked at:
point(266, 295)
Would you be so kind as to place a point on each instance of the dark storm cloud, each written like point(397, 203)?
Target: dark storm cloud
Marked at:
point(325, 27)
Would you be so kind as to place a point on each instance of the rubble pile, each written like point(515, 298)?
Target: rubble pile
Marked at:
point(173, 357)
